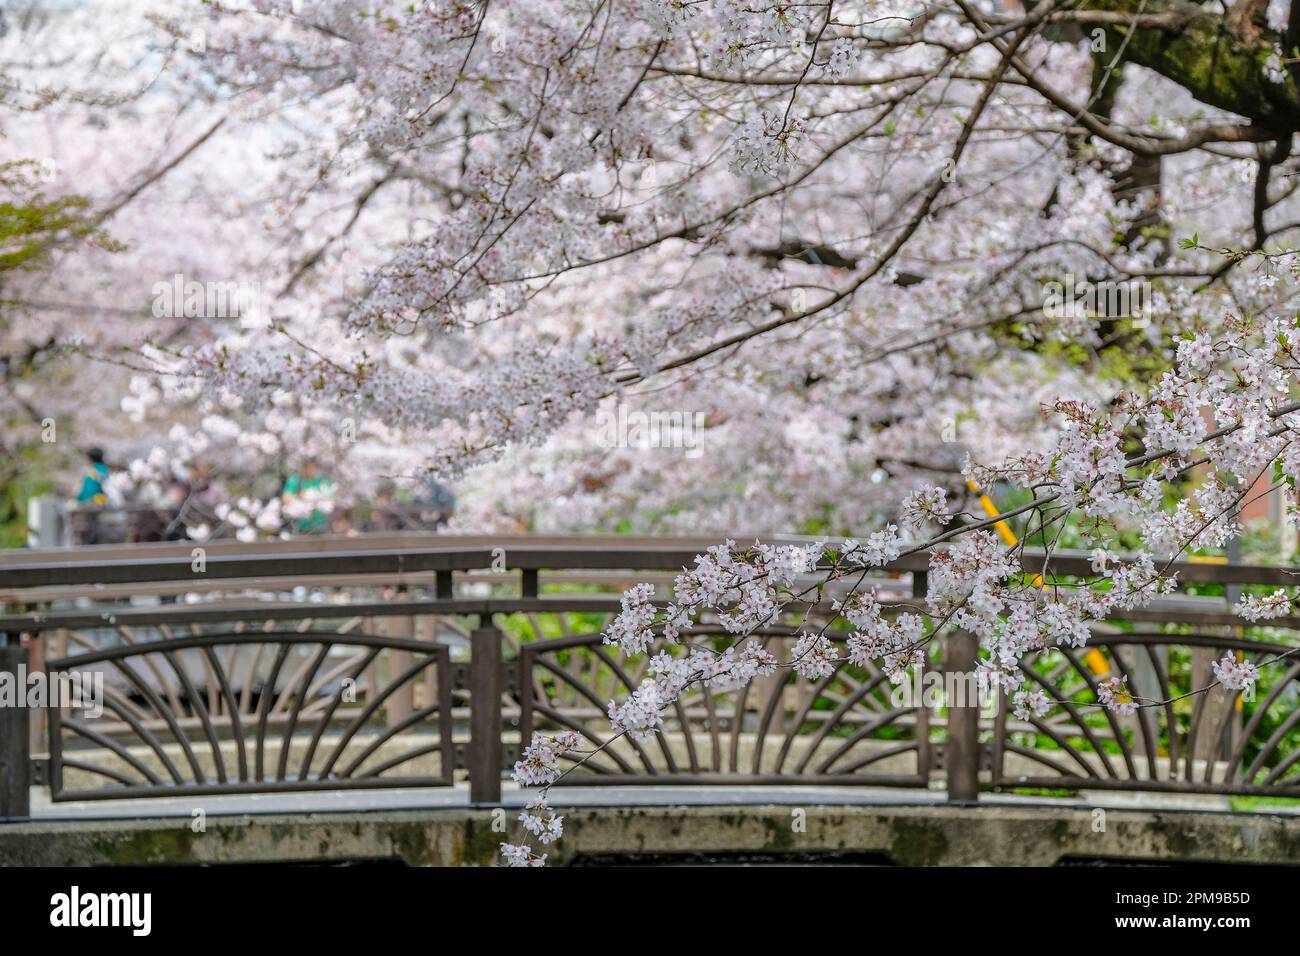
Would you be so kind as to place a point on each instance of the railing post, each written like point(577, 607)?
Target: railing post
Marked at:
point(484, 756)
point(401, 703)
point(921, 710)
point(962, 752)
point(37, 652)
point(15, 744)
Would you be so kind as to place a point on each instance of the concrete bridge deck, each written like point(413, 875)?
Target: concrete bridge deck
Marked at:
point(668, 825)
point(649, 825)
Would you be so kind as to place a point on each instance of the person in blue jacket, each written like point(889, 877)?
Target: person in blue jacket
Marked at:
point(93, 481)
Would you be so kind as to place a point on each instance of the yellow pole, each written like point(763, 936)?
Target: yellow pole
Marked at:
point(991, 510)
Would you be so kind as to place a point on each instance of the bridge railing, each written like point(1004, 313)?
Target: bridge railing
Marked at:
point(420, 661)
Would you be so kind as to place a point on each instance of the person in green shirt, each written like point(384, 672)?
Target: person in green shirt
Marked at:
point(311, 484)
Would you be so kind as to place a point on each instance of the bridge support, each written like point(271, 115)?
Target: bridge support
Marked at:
point(15, 743)
point(484, 755)
point(401, 704)
point(962, 752)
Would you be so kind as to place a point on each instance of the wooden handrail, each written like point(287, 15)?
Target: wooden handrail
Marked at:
point(388, 555)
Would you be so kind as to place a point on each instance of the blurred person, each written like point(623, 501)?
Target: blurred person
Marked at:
point(436, 502)
point(206, 496)
point(384, 515)
point(341, 523)
point(94, 481)
point(92, 497)
point(308, 498)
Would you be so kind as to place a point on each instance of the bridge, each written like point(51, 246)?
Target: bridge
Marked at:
point(348, 699)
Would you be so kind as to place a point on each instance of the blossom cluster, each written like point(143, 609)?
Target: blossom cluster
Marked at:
point(1255, 607)
point(539, 765)
point(1234, 674)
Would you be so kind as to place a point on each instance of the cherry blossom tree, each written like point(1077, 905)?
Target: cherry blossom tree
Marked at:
point(514, 222)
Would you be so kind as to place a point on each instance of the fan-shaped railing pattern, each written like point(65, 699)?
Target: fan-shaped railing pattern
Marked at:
point(254, 709)
point(844, 728)
point(1211, 742)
